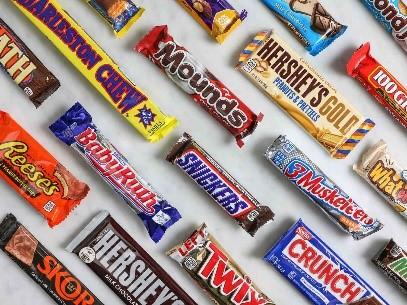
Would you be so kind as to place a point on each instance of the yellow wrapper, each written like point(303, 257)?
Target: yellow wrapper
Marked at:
point(304, 94)
point(219, 24)
point(100, 70)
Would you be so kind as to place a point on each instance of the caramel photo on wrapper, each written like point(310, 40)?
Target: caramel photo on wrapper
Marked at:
point(304, 94)
point(385, 175)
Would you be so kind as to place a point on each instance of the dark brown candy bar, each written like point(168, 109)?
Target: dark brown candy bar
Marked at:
point(42, 266)
point(392, 260)
point(124, 266)
point(37, 82)
point(322, 22)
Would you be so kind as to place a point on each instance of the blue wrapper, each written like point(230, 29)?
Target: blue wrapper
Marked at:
point(317, 271)
point(76, 129)
point(309, 21)
point(120, 14)
point(392, 15)
point(310, 179)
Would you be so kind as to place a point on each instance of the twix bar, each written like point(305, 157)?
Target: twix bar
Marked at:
point(304, 94)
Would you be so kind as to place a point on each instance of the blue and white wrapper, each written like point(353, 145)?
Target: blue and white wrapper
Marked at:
point(309, 21)
point(318, 187)
point(76, 129)
point(317, 271)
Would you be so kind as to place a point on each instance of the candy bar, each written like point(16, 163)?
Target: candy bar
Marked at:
point(392, 14)
point(311, 23)
point(383, 173)
point(76, 129)
point(215, 271)
point(330, 198)
point(392, 260)
point(194, 79)
point(125, 267)
point(42, 266)
point(379, 82)
point(97, 67)
point(304, 94)
point(218, 17)
point(219, 184)
point(120, 14)
point(36, 175)
point(317, 271)
point(30, 74)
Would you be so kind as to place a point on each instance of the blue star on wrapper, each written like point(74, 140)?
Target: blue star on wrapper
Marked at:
point(146, 116)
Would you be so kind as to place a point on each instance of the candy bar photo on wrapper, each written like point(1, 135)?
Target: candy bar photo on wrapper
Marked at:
point(379, 82)
point(392, 14)
point(206, 262)
point(76, 129)
point(318, 187)
point(42, 266)
point(217, 17)
point(36, 175)
point(98, 68)
point(125, 267)
point(378, 167)
point(301, 91)
point(392, 261)
point(309, 264)
point(199, 83)
point(310, 22)
point(120, 14)
point(27, 71)
point(228, 193)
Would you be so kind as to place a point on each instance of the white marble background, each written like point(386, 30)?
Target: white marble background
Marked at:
point(247, 165)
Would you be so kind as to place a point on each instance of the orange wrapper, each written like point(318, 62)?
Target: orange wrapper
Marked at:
point(36, 175)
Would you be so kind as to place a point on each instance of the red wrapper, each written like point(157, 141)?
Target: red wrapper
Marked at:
point(196, 80)
point(379, 82)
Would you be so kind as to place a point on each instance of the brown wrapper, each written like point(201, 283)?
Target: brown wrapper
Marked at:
point(37, 82)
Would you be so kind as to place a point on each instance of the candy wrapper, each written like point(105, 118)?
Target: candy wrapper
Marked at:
point(379, 82)
point(120, 14)
point(392, 14)
point(218, 17)
point(42, 266)
point(76, 129)
point(193, 78)
point(208, 263)
point(219, 184)
point(311, 23)
point(29, 73)
point(309, 179)
point(98, 68)
point(36, 175)
point(392, 261)
point(385, 175)
point(304, 94)
point(305, 260)
point(129, 271)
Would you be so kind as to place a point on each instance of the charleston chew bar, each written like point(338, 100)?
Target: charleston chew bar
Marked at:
point(385, 175)
point(318, 187)
point(99, 69)
point(120, 14)
point(199, 83)
point(76, 129)
point(36, 175)
point(317, 271)
point(304, 94)
point(379, 82)
point(392, 261)
point(42, 266)
point(217, 17)
point(29, 73)
point(215, 271)
point(219, 184)
point(125, 267)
